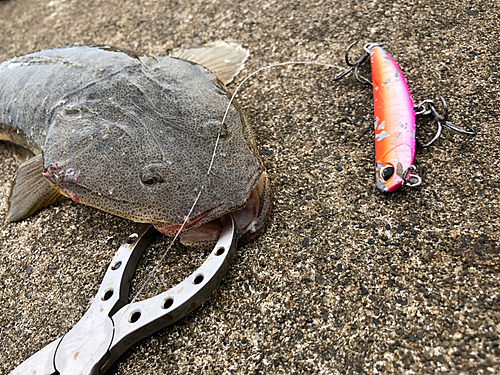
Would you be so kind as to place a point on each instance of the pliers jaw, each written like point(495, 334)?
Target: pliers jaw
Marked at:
point(112, 325)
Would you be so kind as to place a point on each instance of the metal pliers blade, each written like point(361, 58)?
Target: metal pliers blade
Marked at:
point(112, 324)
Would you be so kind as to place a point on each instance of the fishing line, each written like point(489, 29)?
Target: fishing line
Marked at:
point(163, 256)
point(269, 67)
point(158, 263)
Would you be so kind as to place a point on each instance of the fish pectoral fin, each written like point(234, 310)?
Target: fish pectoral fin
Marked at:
point(31, 191)
point(226, 60)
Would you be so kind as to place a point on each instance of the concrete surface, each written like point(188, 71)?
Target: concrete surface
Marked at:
point(344, 279)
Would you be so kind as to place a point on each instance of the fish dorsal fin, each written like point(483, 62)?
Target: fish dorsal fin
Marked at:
point(226, 60)
point(31, 191)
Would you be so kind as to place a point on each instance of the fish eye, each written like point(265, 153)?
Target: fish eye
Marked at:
point(386, 173)
point(214, 128)
point(154, 173)
point(149, 181)
point(150, 178)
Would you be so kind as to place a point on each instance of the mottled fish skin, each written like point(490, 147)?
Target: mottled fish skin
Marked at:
point(106, 122)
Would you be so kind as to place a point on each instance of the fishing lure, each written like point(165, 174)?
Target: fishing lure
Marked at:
point(394, 113)
point(395, 119)
point(394, 125)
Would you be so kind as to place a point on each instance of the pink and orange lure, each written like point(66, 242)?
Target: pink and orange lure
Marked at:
point(394, 123)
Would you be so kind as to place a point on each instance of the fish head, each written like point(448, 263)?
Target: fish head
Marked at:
point(126, 152)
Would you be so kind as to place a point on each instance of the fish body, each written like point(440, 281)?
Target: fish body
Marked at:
point(394, 121)
point(133, 136)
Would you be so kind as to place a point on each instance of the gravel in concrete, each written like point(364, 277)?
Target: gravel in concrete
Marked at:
point(343, 279)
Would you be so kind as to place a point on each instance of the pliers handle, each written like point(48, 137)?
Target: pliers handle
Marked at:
point(112, 325)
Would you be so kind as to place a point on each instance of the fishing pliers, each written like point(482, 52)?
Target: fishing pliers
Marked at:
point(112, 324)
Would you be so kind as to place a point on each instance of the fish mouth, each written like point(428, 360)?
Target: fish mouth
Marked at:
point(171, 230)
point(204, 230)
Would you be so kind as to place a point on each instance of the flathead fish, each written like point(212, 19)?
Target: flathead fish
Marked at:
point(134, 136)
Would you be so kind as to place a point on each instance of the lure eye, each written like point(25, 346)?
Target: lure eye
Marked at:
point(386, 173)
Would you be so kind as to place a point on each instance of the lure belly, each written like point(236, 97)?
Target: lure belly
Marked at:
point(394, 121)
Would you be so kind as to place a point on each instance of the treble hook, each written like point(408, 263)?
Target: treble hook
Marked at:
point(414, 179)
point(441, 120)
point(354, 67)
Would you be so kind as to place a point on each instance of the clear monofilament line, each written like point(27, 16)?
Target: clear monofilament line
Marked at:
point(159, 262)
point(268, 67)
point(155, 269)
